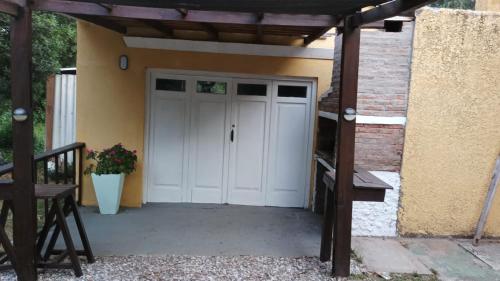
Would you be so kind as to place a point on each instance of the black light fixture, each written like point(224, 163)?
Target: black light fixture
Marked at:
point(123, 62)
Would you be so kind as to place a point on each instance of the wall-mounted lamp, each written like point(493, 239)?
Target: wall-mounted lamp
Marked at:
point(349, 114)
point(123, 62)
point(20, 114)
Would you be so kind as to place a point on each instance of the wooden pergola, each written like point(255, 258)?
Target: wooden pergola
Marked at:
point(303, 19)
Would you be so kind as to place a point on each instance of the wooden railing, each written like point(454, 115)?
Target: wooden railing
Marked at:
point(59, 166)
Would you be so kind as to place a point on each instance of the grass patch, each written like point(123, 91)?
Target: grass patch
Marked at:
point(40, 218)
point(356, 257)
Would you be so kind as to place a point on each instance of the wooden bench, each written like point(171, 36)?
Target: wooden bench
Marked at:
point(366, 187)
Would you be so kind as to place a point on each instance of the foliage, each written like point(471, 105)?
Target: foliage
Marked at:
point(54, 47)
point(6, 135)
point(114, 160)
point(455, 4)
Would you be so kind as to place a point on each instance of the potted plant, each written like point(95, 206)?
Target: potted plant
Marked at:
point(108, 175)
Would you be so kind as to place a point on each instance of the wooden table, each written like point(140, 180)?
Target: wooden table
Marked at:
point(366, 187)
point(56, 218)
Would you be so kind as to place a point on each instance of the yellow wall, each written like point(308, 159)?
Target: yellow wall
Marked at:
point(488, 5)
point(111, 102)
point(453, 130)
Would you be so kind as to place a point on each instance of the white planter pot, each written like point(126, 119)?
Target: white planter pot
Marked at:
point(108, 189)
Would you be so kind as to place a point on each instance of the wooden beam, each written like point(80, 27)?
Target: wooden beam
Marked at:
point(183, 12)
point(211, 30)
point(23, 174)
point(103, 22)
point(167, 32)
point(345, 149)
point(106, 6)
point(312, 7)
point(313, 37)
point(9, 8)
point(91, 9)
point(260, 28)
point(388, 10)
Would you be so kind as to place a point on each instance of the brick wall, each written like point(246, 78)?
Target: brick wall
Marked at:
point(383, 85)
point(379, 147)
point(384, 72)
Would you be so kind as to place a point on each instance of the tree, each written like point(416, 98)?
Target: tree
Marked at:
point(455, 4)
point(54, 47)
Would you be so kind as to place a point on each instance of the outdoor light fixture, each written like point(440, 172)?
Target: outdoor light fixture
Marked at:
point(349, 114)
point(20, 114)
point(123, 62)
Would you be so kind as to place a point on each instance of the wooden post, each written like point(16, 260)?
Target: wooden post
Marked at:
point(328, 218)
point(495, 179)
point(345, 153)
point(50, 92)
point(24, 191)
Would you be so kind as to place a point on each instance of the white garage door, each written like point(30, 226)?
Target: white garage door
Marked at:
point(228, 140)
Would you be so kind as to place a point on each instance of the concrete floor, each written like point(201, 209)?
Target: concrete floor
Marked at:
point(450, 259)
point(203, 229)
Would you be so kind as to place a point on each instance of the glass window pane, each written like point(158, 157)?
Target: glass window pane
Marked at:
point(292, 91)
point(170, 85)
point(252, 90)
point(211, 87)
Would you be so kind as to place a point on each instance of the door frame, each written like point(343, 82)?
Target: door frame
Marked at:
point(231, 75)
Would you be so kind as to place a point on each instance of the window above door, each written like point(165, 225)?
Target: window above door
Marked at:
point(211, 87)
point(171, 85)
point(289, 91)
point(247, 89)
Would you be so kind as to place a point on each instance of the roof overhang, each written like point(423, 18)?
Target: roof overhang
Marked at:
point(212, 20)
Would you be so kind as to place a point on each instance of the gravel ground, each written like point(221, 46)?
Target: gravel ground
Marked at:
point(196, 268)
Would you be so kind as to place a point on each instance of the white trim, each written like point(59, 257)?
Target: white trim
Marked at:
point(67, 68)
point(381, 120)
point(145, 165)
point(312, 113)
point(367, 119)
point(234, 75)
point(147, 129)
point(329, 115)
point(228, 48)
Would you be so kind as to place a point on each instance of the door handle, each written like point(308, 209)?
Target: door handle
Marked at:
point(232, 135)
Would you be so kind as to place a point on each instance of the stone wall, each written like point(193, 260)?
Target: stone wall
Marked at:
point(453, 128)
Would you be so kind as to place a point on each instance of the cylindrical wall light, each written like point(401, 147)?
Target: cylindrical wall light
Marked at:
point(123, 62)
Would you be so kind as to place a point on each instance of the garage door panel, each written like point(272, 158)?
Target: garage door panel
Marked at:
point(248, 152)
point(168, 145)
point(209, 150)
point(250, 145)
point(290, 154)
point(289, 159)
